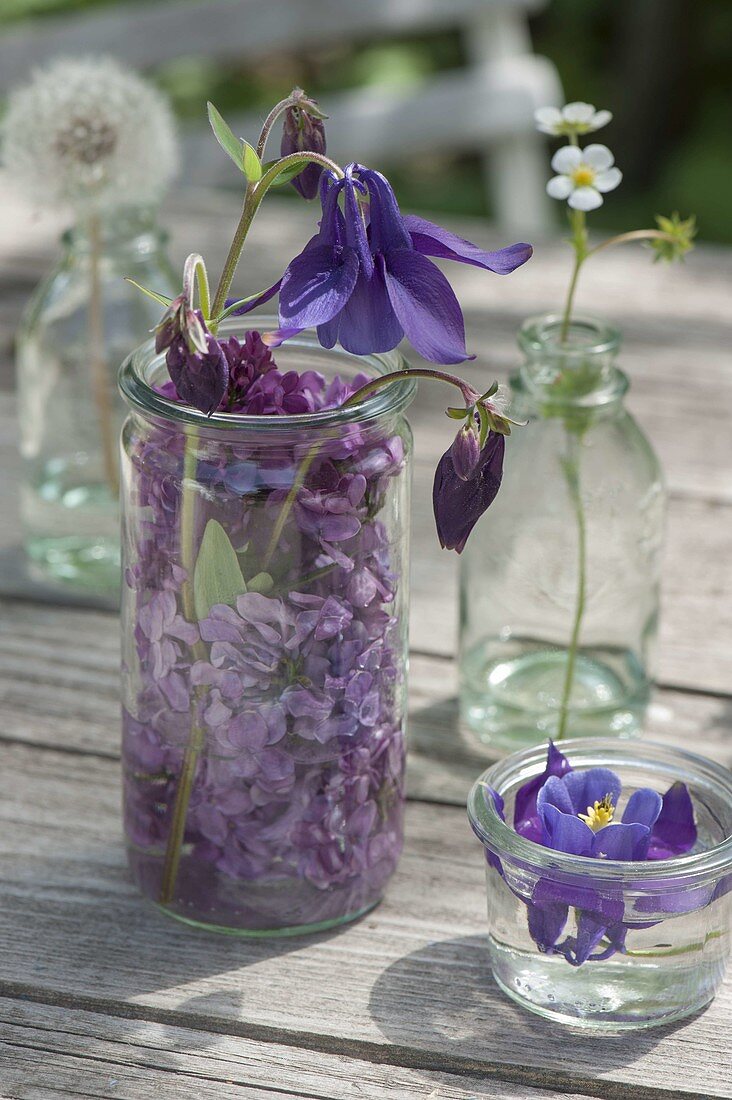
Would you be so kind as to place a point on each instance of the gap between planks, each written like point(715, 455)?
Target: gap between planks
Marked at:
point(439, 1068)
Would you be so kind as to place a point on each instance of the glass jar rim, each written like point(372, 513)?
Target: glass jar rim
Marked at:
point(138, 392)
point(501, 839)
point(539, 336)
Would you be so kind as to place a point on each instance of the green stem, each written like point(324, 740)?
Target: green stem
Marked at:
point(249, 209)
point(469, 394)
point(255, 192)
point(579, 243)
point(572, 474)
point(311, 158)
point(269, 122)
point(195, 743)
point(634, 235)
point(288, 503)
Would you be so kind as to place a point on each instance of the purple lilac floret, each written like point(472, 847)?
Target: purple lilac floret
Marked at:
point(368, 286)
point(298, 691)
point(574, 812)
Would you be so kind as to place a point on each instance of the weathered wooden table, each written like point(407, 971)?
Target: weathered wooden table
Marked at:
point(100, 995)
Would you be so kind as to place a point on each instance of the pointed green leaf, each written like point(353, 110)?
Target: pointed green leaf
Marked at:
point(231, 144)
point(252, 163)
point(457, 414)
point(217, 576)
point(150, 293)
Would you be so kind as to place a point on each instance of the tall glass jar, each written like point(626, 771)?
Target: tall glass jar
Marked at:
point(264, 619)
point(79, 325)
point(559, 586)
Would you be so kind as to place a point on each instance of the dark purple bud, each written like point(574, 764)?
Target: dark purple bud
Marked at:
point(465, 451)
point(304, 132)
point(459, 504)
point(170, 325)
point(201, 380)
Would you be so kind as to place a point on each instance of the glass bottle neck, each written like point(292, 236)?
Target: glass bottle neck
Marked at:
point(129, 230)
point(572, 369)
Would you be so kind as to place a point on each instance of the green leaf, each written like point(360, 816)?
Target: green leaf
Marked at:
point(457, 414)
point(294, 168)
point(150, 293)
point(231, 144)
point(217, 577)
point(252, 163)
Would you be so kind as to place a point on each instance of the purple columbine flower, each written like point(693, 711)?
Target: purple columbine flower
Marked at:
point(303, 131)
point(459, 502)
point(368, 286)
point(575, 812)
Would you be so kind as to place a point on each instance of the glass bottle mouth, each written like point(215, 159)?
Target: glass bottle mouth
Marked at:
point(577, 371)
point(131, 227)
point(540, 337)
point(645, 764)
point(144, 370)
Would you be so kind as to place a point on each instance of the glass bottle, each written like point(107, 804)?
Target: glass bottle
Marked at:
point(264, 619)
point(81, 322)
point(559, 586)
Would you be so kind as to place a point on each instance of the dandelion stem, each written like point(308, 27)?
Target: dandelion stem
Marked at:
point(97, 359)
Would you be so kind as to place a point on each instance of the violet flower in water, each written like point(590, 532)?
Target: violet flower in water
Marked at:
point(576, 812)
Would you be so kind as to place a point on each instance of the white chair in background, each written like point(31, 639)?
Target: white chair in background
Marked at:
point(485, 107)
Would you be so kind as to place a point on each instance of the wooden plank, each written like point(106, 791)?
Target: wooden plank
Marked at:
point(59, 689)
point(48, 1051)
point(408, 986)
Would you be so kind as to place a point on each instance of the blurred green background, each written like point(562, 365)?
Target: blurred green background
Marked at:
point(664, 67)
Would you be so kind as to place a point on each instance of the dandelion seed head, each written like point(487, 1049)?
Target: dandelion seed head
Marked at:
point(86, 131)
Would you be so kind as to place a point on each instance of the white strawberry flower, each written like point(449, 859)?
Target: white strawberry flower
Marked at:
point(575, 118)
point(583, 175)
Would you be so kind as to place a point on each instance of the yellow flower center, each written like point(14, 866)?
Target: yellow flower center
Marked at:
point(583, 176)
point(599, 815)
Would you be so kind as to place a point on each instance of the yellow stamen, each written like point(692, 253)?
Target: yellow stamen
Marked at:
point(583, 176)
point(599, 815)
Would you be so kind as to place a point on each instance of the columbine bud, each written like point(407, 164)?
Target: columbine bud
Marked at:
point(465, 451)
point(180, 321)
point(199, 378)
point(304, 132)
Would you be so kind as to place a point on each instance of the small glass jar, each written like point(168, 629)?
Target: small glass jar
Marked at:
point(559, 585)
point(263, 728)
point(665, 955)
point(78, 327)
